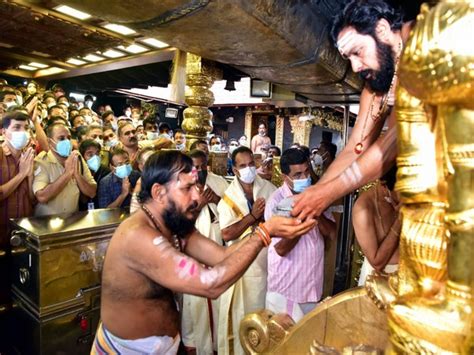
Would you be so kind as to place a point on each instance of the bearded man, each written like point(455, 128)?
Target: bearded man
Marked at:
point(370, 34)
point(156, 253)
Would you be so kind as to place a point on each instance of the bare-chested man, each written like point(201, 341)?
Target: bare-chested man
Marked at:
point(157, 252)
point(370, 34)
point(260, 140)
point(377, 226)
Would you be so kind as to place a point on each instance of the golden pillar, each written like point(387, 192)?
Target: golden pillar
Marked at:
point(435, 114)
point(301, 130)
point(280, 129)
point(197, 121)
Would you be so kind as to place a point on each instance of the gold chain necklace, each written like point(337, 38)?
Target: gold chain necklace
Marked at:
point(176, 243)
point(359, 147)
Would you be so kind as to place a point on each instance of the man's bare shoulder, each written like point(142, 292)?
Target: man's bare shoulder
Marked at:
point(136, 229)
point(365, 199)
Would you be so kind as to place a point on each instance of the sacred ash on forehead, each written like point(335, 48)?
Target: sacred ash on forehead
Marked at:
point(344, 43)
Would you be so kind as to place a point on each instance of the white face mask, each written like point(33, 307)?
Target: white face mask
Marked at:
point(19, 99)
point(152, 135)
point(111, 143)
point(232, 148)
point(10, 104)
point(216, 148)
point(248, 174)
point(19, 140)
point(100, 141)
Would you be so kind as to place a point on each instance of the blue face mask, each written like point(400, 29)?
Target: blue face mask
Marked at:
point(93, 163)
point(300, 185)
point(123, 171)
point(64, 148)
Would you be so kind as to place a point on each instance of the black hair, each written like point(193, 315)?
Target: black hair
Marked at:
point(149, 120)
point(53, 107)
point(94, 126)
point(88, 97)
point(161, 168)
point(106, 113)
point(81, 132)
point(262, 123)
point(390, 177)
point(117, 151)
point(50, 128)
point(62, 96)
point(275, 147)
point(86, 144)
point(331, 148)
point(164, 126)
point(178, 130)
point(196, 154)
point(196, 143)
point(239, 150)
point(306, 151)
point(56, 119)
point(5, 93)
point(292, 156)
point(15, 115)
point(363, 15)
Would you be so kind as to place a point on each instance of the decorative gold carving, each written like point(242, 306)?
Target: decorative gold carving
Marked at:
point(433, 312)
point(197, 117)
point(301, 130)
point(327, 120)
point(260, 332)
point(277, 179)
point(218, 163)
point(280, 128)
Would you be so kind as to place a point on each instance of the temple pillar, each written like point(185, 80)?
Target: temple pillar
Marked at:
point(280, 127)
point(301, 130)
point(197, 121)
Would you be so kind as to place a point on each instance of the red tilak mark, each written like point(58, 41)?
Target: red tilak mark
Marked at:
point(193, 268)
point(182, 263)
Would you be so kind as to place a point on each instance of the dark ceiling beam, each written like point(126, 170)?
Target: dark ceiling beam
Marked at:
point(28, 57)
point(162, 55)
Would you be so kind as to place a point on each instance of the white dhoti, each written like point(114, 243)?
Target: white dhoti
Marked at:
point(199, 321)
point(248, 293)
point(367, 269)
point(107, 343)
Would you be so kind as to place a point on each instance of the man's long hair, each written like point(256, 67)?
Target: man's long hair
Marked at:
point(363, 16)
point(161, 168)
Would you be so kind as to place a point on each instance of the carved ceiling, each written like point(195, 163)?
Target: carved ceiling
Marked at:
point(285, 42)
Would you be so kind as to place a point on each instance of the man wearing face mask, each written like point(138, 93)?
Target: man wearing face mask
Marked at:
point(296, 269)
point(16, 173)
point(90, 151)
point(96, 133)
point(86, 112)
point(323, 157)
point(61, 175)
point(240, 209)
point(180, 140)
point(199, 324)
point(8, 97)
point(116, 188)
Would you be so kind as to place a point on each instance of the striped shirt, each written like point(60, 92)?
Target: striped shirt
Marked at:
point(299, 274)
point(18, 204)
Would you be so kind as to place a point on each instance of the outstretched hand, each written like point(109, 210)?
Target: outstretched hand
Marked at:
point(312, 202)
point(284, 227)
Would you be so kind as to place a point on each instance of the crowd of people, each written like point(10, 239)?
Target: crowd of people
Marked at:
point(61, 156)
point(191, 232)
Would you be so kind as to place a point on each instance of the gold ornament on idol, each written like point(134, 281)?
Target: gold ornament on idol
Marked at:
point(359, 147)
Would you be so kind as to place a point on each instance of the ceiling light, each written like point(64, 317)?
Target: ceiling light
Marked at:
point(111, 53)
point(93, 58)
point(75, 61)
point(134, 48)
point(27, 67)
point(123, 30)
point(38, 65)
point(72, 12)
point(155, 43)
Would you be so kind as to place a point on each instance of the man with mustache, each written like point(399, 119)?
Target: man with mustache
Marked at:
point(370, 34)
point(156, 253)
point(127, 135)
